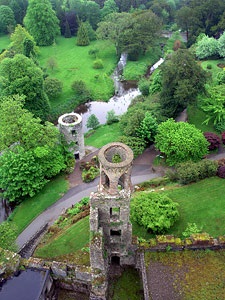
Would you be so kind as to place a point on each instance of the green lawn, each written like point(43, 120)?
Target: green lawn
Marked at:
point(4, 42)
point(196, 117)
point(69, 241)
point(74, 63)
point(202, 203)
point(214, 68)
point(103, 135)
point(30, 208)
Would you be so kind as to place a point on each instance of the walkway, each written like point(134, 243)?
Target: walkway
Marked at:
point(141, 171)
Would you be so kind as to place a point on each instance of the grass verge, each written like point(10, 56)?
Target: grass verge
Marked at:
point(103, 135)
point(30, 208)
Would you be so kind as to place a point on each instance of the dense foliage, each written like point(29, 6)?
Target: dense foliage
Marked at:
point(155, 211)
point(92, 122)
point(41, 22)
point(213, 139)
point(180, 142)
point(8, 236)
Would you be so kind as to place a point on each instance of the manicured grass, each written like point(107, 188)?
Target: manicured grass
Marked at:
point(215, 69)
point(202, 203)
point(70, 240)
point(134, 70)
point(196, 117)
point(30, 208)
point(128, 286)
point(4, 42)
point(74, 63)
point(103, 135)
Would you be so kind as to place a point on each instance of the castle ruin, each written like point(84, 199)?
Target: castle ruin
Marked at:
point(70, 125)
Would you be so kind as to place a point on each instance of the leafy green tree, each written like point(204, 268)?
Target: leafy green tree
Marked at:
point(155, 211)
point(148, 128)
point(31, 152)
point(52, 87)
point(109, 8)
point(182, 80)
point(206, 47)
point(180, 142)
point(221, 45)
point(131, 120)
point(7, 19)
point(20, 75)
point(41, 22)
point(137, 144)
point(92, 122)
point(67, 33)
point(82, 35)
point(81, 91)
point(214, 106)
point(8, 236)
point(111, 117)
point(18, 38)
point(20, 174)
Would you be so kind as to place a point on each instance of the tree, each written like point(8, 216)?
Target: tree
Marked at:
point(7, 19)
point(206, 47)
point(22, 76)
point(108, 8)
point(182, 80)
point(221, 45)
point(52, 87)
point(82, 35)
point(31, 152)
point(41, 22)
point(92, 122)
point(19, 8)
point(155, 211)
point(180, 142)
point(20, 39)
point(67, 33)
point(148, 128)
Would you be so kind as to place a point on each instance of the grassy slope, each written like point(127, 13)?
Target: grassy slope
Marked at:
point(202, 203)
point(103, 135)
point(30, 208)
point(70, 240)
point(74, 63)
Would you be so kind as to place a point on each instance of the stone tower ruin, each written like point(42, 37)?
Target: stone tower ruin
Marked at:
point(110, 227)
point(70, 125)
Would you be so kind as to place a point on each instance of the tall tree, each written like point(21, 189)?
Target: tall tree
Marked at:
point(182, 80)
point(7, 19)
point(41, 22)
point(22, 76)
point(109, 8)
point(19, 8)
point(82, 35)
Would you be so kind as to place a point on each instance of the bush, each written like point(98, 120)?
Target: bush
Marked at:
point(111, 117)
point(192, 228)
point(156, 212)
point(80, 89)
point(92, 122)
point(52, 87)
point(221, 172)
point(209, 66)
point(90, 175)
point(220, 78)
point(136, 144)
point(192, 172)
point(213, 139)
point(98, 64)
point(143, 86)
point(223, 137)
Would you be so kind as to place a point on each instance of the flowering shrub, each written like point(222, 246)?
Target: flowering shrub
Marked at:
point(221, 172)
point(213, 139)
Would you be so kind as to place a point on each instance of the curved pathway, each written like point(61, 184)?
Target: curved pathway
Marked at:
point(141, 171)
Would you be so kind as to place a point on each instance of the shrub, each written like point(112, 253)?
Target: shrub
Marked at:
point(92, 122)
point(93, 52)
point(98, 64)
point(213, 139)
point(192, 172)
point(192, 228)
point(52, 87)
point(209, 66)
point(111, 117)
point(220, 78)
point(143, 86)
point(156, 212)
point(136, 144)
point(90, 175)
point(80, 89)
point(221, 172)
point(223, 137)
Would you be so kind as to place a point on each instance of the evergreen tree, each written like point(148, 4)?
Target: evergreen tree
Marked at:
point(41, 22)
point(7, 20)
point(67, 33)
point(82, 35)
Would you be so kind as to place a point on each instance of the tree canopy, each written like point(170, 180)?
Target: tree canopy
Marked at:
point(20, 75)
point(7, 20)
point(180, 142)
point(41, 22)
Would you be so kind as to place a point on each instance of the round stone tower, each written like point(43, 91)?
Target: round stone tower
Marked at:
point(70, 125)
